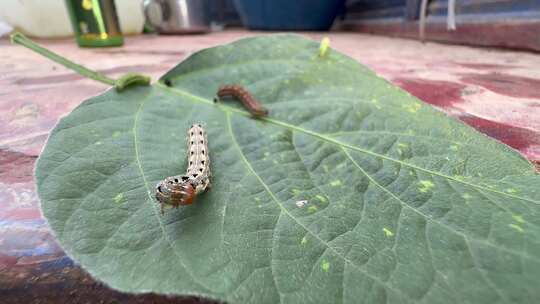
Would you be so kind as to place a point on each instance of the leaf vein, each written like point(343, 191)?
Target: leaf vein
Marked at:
point(150, 199)
point(228, 109)
point(286, 212)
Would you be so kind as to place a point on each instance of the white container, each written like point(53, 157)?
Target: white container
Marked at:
point(49, 18)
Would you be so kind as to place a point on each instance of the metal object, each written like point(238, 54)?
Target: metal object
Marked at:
point(177, 16)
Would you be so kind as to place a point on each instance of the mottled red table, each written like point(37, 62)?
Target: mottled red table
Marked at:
point(495, 91)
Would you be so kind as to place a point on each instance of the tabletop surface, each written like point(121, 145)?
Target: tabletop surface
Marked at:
point(495, 91)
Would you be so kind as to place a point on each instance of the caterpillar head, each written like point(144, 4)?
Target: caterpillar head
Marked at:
point(175, 191)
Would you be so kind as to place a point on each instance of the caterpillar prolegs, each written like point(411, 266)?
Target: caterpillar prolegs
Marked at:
point(182, 189)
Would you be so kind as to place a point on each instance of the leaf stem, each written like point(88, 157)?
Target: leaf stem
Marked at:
point(19, 38)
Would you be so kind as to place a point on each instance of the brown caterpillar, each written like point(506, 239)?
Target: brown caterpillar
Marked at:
point(252, 105)
point(182, 189)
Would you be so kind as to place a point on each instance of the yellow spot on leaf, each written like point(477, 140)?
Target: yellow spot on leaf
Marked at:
point(514, 226)
point(266, 154)
point(296, 192)
point(425, 186)
point(118, 198)
point(323, 48)
point(454, 147)
point(116, 134)
point(335, 183)
point(325, 265)
point(466, 196)
point(518, 218)
point(387, 232)
point(402, 148)
point(402, 145)
point(321, 198)
point(303, 241)
point(312, 209)
point(413, 108)
point(511, 190)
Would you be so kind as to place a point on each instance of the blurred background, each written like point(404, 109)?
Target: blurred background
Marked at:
point(504, 23)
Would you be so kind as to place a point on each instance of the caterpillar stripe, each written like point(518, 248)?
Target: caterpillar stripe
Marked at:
point(250, 103)
point(182, 189)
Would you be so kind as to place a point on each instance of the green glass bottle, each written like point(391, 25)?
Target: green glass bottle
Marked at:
point(95, 23)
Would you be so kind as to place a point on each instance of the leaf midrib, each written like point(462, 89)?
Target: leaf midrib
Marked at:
point(150, 199)
point(284, 210)
point(228, 109)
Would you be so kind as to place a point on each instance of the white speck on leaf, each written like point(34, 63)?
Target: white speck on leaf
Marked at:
point(301, 204)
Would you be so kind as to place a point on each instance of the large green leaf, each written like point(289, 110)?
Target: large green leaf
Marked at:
point(403, 203)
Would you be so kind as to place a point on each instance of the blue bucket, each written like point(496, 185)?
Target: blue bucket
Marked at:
point(311, 15)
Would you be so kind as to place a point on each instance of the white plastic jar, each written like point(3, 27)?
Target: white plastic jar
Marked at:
point(50, 19)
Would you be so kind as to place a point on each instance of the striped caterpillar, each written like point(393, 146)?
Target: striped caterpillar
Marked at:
point(182, 189)
point(252, 105)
